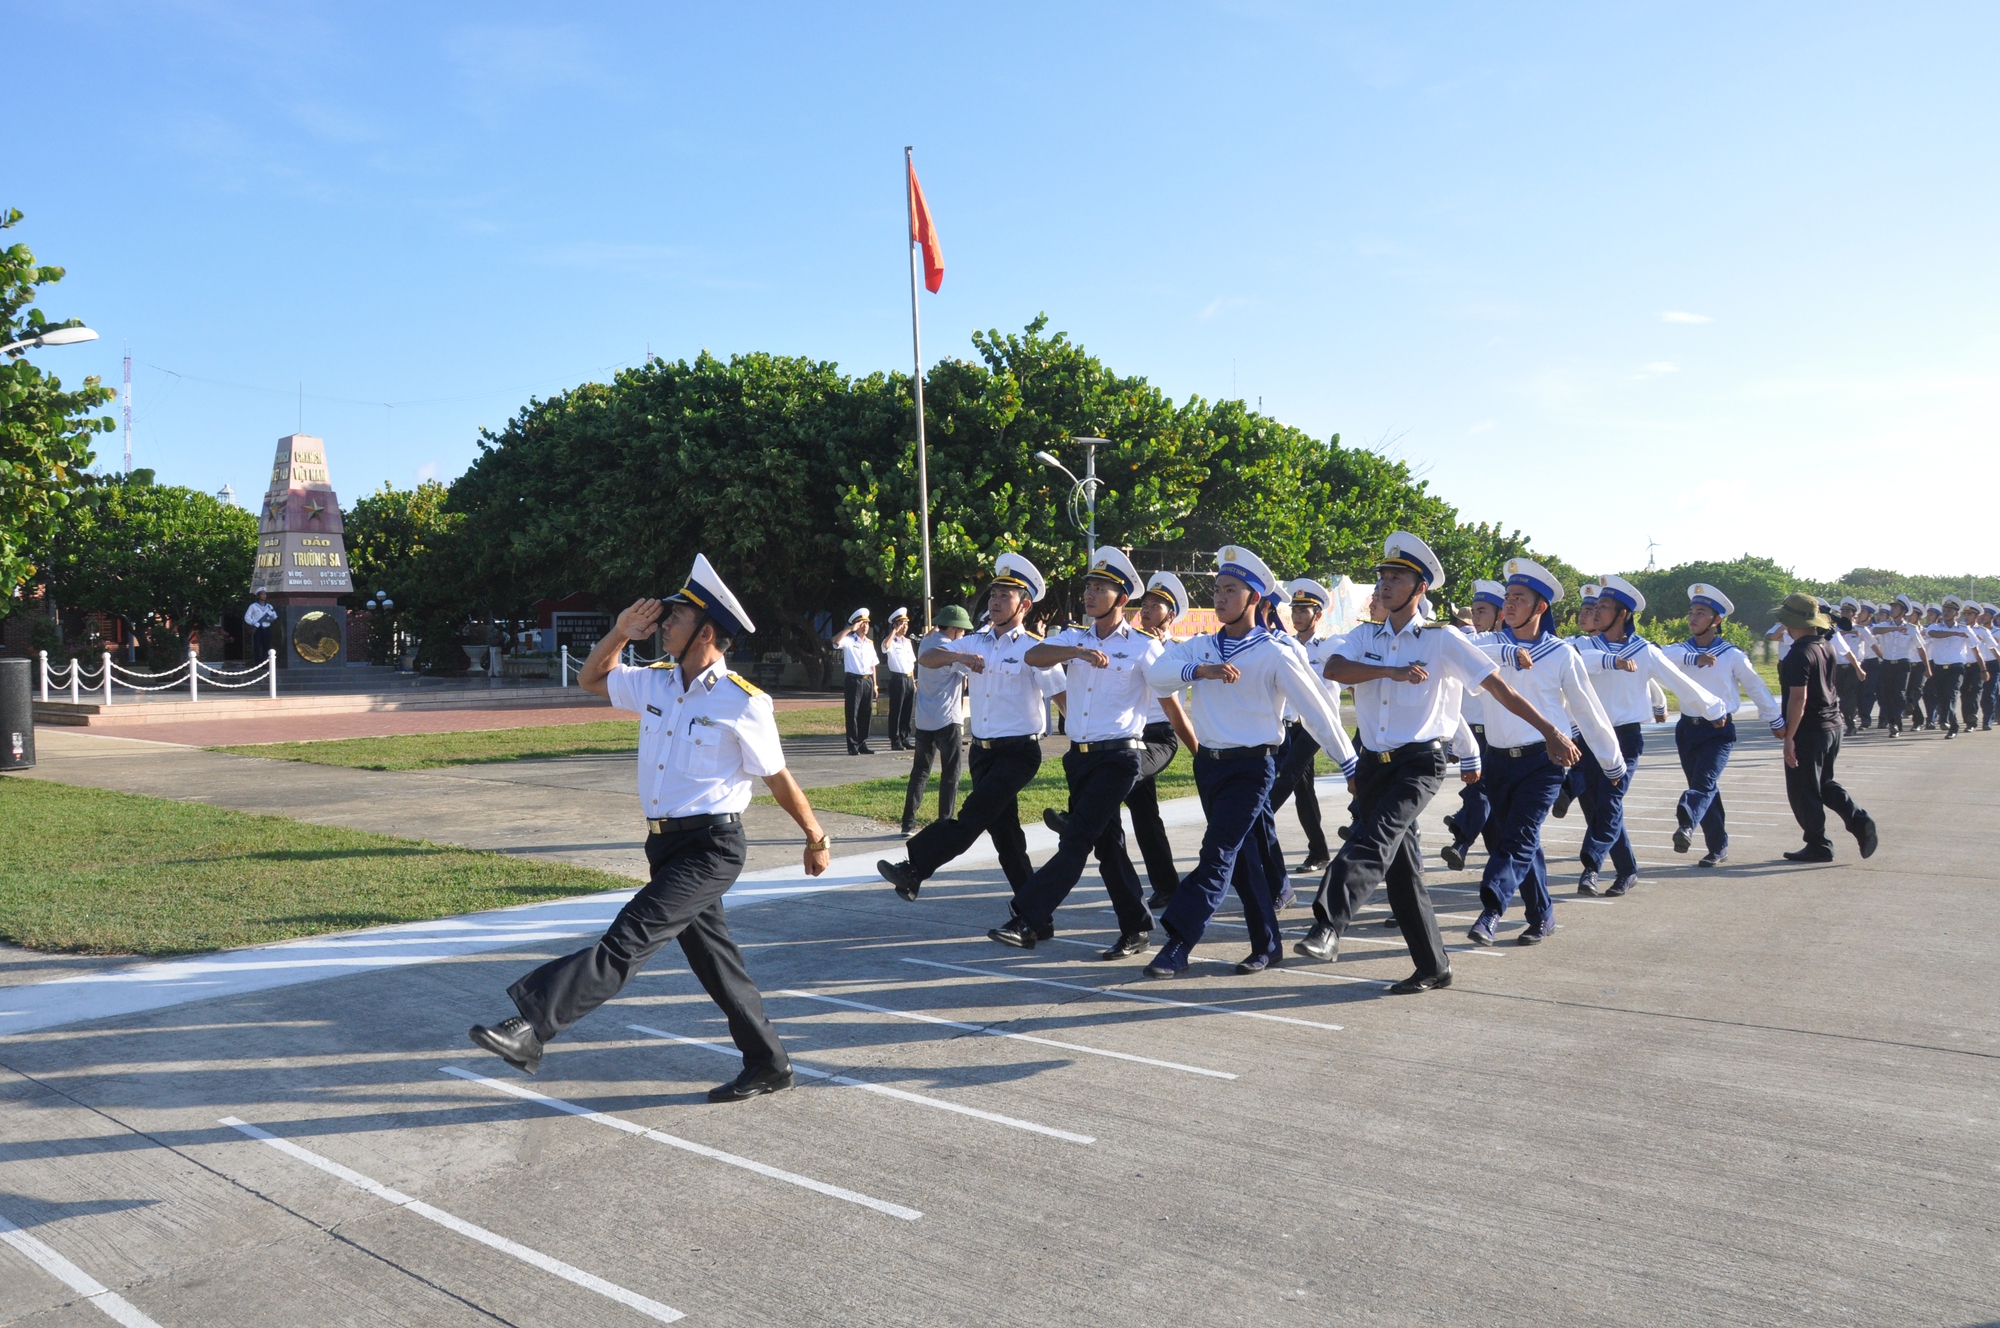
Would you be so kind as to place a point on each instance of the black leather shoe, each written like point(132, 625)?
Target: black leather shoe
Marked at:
point(1016, 933)
point(513, 1041)
point(1451, 826)
point(1715, 857)
point(1158, 903)
point(1454, 856)
point(1586, 884)
point(1041, 933)
point(1257, 963)
point(1344, 831)
point(1417, 982)
point(1683, 838)
point(1537, 932)
point(1129, 944)
point(1322, 942)
point(1864, 834)
point(1312, 866)
point(1563, 801)
point(899, 875)
point(751, 1084)
point(1623, 885)
point(1810, 855)
point(1056, 821)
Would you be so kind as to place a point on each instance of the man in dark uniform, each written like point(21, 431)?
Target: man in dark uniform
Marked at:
point(1812, 733)
point(703, 732)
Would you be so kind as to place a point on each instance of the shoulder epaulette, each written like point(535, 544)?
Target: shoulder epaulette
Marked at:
point(748, 686)
point(661, 664)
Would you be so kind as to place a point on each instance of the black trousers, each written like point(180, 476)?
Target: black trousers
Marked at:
point(1871, 691)
point(1892, 680)
point(901, 689)
point(260, 644)
point(1098, 785)
point(1295, 781)
point(1968, 695)
point(1382, 848)
point(1915, 691)
point(1148, 831)
point(1812, 790)
point(947, 747)
point(1946, 682)
point(1847, 683)
point(860, 710)
point(682, 901)
point(993, 807)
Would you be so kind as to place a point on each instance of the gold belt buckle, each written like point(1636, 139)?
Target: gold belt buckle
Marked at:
point(1385, 757)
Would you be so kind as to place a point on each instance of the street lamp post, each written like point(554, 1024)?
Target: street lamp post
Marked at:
point(59, 336)
point(1084, 489)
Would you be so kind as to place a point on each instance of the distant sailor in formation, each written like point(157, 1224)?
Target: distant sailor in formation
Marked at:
point(1705, 745)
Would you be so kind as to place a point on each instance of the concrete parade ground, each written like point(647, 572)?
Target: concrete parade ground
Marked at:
point(1760, 1094)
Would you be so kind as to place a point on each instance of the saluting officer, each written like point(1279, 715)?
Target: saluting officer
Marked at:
point(1104, 663)
point(1009, 715)
point(1704, 745)
point(858, 662)
point(1240, 680)
point(703, 732)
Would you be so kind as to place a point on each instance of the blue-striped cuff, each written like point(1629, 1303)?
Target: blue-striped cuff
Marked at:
point(1187, 672)
point(1349, 766)
point(1777, 727)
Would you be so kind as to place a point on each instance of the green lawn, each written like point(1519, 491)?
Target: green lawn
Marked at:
point(429, 751)
point(85, 871)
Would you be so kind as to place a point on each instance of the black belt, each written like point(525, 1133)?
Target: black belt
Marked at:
point(673, 825)
point(1407, 749)
point(1109, 745)
point(1480, 729)
point(991, 743)
point(1238, 753)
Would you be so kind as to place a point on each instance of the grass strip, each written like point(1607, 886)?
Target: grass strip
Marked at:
point(432, 751)
point(87, 871)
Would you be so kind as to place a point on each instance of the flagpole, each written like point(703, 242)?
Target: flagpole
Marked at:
point(917, 381)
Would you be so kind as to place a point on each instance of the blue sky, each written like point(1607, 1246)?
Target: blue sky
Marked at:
point(1723, 277)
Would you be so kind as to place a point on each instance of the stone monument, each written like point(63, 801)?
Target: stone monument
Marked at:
point(301, 559)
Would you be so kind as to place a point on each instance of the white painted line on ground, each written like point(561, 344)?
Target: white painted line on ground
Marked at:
point(652, 1309)
point(884, 1090)
point(1002, 1033)
point(1124, 995)
point(1336, 977)
point(107, 1301)
point(685, 1145)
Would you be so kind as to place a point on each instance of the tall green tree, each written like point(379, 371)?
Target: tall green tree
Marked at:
point(404, 542)
point(44, 430)
point(1756, 586)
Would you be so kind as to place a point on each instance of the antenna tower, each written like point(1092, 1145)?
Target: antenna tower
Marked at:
point(1651, 544)
point(128, 410)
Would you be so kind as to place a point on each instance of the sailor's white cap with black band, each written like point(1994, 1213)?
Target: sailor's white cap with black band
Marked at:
point(1167, 586)
point(1111, 564)
point(1310, 593)
point(1011, 569)
point(1237, 561)
point(1710, 598)
point(1489, 592)
point(1403, 549)
point(1623, 591)
point(1527, 572)
point(704, 590)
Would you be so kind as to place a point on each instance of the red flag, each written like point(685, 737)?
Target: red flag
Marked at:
point(923, 232)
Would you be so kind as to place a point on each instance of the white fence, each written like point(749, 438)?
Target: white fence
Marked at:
point(193, 675)
point(565, 665)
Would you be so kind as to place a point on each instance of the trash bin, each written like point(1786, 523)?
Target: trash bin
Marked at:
point(17, 714)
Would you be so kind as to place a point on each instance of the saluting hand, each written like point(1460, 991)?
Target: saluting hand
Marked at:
point(1218, 672)
point(637, 622)
point(976, 663)
point(1097, 659)
point(1704, 661)
point(1524, 660)
point(1627, 665)
point(1410, 673)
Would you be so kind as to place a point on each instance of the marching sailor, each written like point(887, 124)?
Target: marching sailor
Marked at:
point(1409, 677)
point(1626, 669)
point(1856, 649)
point(1900, 644)
point(1705, 745)
point(1573, 785)
point(1871, 685)
point(1473, 807)
point(1933, 614)
point(1960, 672)
point(1009, 714)
point(1240, 680)
point(1309, 600)
point(705, 732)
point(1990, 695)
point(1105, 664)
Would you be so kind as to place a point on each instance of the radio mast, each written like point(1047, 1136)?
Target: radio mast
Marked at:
point(128, 410)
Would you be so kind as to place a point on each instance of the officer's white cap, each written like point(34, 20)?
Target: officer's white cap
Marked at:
point(705, 590)
point(1933, 608)
point(899, 613)
point(1907, 602)
point(1849, 602)
point(1403, 549)
point(1111, 564)
point(1527, 572)
point(1618, 588)
point(1710, 597)
point(1167, 586)
point(1950, 601)
point(858, 615)
point(1011, 569)
point(1305, 590)
point(1237, 561)
point(1489, 592)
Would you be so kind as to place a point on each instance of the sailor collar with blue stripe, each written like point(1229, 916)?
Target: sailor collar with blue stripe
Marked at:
point(1631, 646)
point(1720, 647)
point(1538, 649)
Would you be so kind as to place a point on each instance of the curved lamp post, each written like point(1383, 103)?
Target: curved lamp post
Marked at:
point(58, 336)
point(1083, 490)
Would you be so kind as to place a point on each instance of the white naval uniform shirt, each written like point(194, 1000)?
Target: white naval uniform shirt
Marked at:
point(1465, 747)
point(1392, 714)
point(899, 656)
point(1897, 641)
point(1860, 645)
point(1155, 712)
point(857, 653)
point(1731, 677)
point(1842, 652)
point(1988, 647)
point(1627, 697)
point(1249, 712)
point(1109, 702)
point(698, 746)
point(1317, 654)
point(1557, 687)
point(260, 615)
point(1951, 645)
point(1009, 699)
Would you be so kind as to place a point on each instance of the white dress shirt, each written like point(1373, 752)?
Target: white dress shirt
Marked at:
point(1557, 687)
point(260, 614)
point(899, 656)
point(857, 653)
point(1109, 702)
point(1009, 699)
point(1392, 714)
point(1731, 677)
point(1627, 696)
point(1317, 654)
point(1898, 641)
point(1951, 645)
point(698, 746)
point(1249, 712)
point(1465, 748)
point(1860, 644)
point(1988, 647)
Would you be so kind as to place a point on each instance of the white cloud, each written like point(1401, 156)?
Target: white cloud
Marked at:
point(1683, 316)
point(427, 471)
point(1655, 370)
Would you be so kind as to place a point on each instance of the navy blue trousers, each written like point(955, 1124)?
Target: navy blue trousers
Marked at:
point(1989, 696)
point(1604, 803)
point(1704, 751)
point(1098, 784)
point(1234, 795)
point(1473, 804)
point(1295, 782)
point(1522, 788)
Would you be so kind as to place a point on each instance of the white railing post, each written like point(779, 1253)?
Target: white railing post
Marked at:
point(271, 666)
point(107, 677)
point(565, 666)
point(75, 681)
point(45, 675)
point(194, 675)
